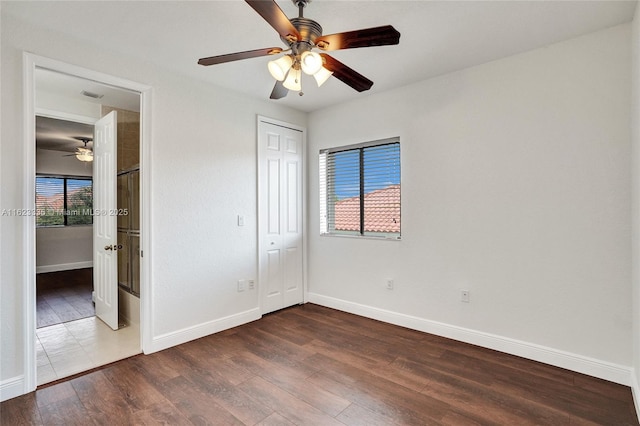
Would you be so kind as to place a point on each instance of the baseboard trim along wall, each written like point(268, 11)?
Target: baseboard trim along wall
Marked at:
point(11, 388)
point(64, 267)
point(635, 391)
point(178, 337)
point(570, 361)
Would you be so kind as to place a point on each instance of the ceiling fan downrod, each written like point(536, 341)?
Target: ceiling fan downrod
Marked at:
point(301, 4)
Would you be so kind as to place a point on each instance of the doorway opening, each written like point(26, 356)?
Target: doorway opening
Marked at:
point(63, 335)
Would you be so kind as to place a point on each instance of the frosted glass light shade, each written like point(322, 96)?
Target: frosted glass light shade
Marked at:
point(84, 154)
point(278, 68)
point(310, 62)
point(322, 75)
point(293, 80)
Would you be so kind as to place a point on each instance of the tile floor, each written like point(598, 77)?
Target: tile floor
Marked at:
point(76, 346)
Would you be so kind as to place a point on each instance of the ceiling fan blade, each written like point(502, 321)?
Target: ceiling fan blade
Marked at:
point(345, 74)
point(279, 91)
point(378, 36)
point(220, 59)
point(272, 13)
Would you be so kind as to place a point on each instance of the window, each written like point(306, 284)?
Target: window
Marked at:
point(360, 189)
point(64, 201)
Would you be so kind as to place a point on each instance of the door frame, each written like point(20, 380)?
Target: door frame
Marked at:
point(30, 63)
point(260, 187)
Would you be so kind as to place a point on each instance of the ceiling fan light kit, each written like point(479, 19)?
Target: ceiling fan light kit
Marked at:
point(322, 76)
point(301, 35)
point(279, 68)
point(85, 155)
point(310, 62)
point(293, 80)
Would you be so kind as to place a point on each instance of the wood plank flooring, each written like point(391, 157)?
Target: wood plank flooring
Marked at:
point(311, 365)
point(64, 296)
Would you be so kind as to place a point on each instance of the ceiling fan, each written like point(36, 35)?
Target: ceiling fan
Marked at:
point(301, 36)
point(83, 153)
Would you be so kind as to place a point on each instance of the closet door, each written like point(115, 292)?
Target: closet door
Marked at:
point(280, 224)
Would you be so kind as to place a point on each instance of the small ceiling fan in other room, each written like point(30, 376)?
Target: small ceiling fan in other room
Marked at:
point(83, 153)
point(302, 36)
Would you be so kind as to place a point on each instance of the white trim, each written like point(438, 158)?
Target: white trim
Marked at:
point(264, 119)
point(29, 230)
point(635, 392)
point(64, 267)
point(305, 229)
point(30, 63)
point(76, 118)
point(593, 367)
point(11, 388)
point(146, 219)
point(188, 334)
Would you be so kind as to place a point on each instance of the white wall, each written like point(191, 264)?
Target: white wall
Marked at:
point(635, 198)
point(60, 163)
point(197, 253)
point(60, 249)
point(515, 186)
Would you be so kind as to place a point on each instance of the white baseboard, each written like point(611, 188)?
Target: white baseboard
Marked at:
point(179, 337)
point(64, 267)
point(635, 391)
point(570, 361)
point(11, 388)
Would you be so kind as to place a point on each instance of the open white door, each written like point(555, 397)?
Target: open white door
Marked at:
point(280, 216)
point(105, 240)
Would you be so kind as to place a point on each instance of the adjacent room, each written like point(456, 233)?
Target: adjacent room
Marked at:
point(358, 212)
point(71, 338)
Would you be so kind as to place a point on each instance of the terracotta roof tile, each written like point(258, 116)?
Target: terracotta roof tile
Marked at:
point(381, 211)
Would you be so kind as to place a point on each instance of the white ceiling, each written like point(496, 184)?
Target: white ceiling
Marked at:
point(437, 37)
point(61, 135)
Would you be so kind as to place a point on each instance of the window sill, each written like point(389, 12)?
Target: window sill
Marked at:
point(80, 225)
point(361, 237)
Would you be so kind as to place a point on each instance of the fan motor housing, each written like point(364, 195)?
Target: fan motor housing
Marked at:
point(309, 30)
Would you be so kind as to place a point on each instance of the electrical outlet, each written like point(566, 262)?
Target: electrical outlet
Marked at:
point(465, 296)
point(251, 284)
point(389, 284)
point(240, 285)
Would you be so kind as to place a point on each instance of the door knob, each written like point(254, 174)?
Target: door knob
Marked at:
point(108, 247)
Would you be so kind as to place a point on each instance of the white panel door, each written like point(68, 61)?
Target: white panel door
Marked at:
point(280, 224)
point(105, 240)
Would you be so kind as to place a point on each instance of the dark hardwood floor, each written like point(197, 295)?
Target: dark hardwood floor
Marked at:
point(64, 296)
point(311, 365)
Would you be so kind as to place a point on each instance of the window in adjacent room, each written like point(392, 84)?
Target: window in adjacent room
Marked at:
point(360, 190)
point(64, 201)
